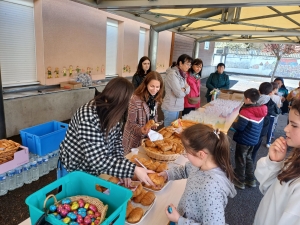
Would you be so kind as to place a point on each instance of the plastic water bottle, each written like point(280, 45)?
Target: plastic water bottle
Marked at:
point(40, 166)
point(19, 177)
point(51, 161)
point(56, 156)
point(11, 180)
point(3, 184)
point(45, 165)
point(27, 173)
point(34, 171)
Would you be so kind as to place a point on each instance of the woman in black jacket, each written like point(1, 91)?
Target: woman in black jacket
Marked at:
point(144, 67)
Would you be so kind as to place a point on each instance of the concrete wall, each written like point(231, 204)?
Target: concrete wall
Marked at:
point(25, 112)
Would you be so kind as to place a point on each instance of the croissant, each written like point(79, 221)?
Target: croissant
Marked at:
point(138, 198)
point(162, 167)
point(129, 208)
point(138, 190)
point(153, 166)
point(135, 215)
point(149, 143)
point(157, 180)
point(148, 198)
point(151, 123)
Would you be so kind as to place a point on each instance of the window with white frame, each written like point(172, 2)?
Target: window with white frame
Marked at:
point(17, 43)
point(111, 47)
point(206, 45)
point(142, 40)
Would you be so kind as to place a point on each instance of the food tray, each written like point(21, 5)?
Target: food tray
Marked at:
point(145, 208)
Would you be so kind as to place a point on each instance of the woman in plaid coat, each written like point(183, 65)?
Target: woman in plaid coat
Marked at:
point(93, 142)
point(142, 108)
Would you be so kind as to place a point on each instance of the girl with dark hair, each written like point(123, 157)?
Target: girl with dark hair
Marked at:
point(176, 88)
point(192, 100)
point(279, 177)
point(142, 108)
point(283, 93)
point(209, 177)
point(93, 142)
point(143, 68)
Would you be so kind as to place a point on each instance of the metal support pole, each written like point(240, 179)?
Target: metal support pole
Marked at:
point(153, 48)
point(2, 117)
point(196, 50)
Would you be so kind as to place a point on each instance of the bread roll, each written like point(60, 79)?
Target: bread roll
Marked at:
point(138, 190)
point(129, 208)
point(138, 198)
point(148, 198)
point(153, 166)
point(157, 180)
point(162, 167)
point(150, 124)
point(114, 180)
point(149, 143)
point(167, 134)
point(135, 215)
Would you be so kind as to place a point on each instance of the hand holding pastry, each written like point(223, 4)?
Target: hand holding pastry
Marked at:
point(174, 215)
point(164, 175)
point(126, 182)
point(142, 175)
point(277, 150)
point(145, 130)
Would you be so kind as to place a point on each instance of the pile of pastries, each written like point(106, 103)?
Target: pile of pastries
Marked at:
point(171, 144)
point(155, 166)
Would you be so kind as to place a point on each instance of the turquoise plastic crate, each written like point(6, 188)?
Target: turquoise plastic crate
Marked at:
point(80, 183)
point(44, 138)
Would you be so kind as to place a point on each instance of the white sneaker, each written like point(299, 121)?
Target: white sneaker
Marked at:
point(268, 145)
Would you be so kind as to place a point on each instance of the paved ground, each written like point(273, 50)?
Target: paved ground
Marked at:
point(239, 211)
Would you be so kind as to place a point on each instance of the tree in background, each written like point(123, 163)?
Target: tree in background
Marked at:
point(280, 50)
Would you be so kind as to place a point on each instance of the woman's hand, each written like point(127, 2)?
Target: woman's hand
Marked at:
point(164, 175)
point(145, 130)
point(174, 215)
point(142, 175)
point(277, 150)
point(126, 181)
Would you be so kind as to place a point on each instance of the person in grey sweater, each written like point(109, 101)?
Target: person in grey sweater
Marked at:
point(209, 178)
point(176, 88)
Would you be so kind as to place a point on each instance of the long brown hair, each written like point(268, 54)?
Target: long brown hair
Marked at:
point(112, 102)
point(142, 90)
point(140, 71)
point(200, 136)
point(291, 168)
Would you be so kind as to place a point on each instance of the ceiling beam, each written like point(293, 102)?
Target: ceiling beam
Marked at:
point(288, 18)
point(161, 4)
point(256, 41)
point(209, 38)
point(270, 16)
point(98, 1)
point(181, 21)
point(241, 32)
point(90, 3)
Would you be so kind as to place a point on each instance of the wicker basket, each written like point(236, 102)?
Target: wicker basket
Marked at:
point(7, 150)
point(157, 156)
point(95, 201)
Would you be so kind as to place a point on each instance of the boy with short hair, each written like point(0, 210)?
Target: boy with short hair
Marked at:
point(248, 128)
point(265, 89)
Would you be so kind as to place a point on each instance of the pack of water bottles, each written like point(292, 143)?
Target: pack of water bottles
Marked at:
point(36, 167)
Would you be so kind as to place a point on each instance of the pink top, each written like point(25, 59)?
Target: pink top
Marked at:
point(194, 91)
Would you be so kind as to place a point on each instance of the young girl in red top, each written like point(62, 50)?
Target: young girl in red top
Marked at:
point(192, 100)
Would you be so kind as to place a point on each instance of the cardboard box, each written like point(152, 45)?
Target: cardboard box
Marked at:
point(70, 85)
point(20, 158)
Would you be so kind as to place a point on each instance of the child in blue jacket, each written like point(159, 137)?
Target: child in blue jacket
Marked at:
point(248, 128)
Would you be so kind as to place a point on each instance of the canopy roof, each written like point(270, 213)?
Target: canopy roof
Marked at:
point(218, 20)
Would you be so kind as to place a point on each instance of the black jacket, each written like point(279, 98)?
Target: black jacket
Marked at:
point(273, 110)
point(137, 79)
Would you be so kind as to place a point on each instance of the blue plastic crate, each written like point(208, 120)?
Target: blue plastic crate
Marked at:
point(44, 138)
point(80, 183)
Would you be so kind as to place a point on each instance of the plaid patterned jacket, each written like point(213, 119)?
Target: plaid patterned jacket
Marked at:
point(138, 116)
point(86, 148)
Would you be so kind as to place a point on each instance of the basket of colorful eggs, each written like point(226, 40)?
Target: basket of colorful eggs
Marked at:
point(77, 210)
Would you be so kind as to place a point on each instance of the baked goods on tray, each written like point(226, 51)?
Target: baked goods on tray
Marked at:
point(135, 215)
point(155, 166)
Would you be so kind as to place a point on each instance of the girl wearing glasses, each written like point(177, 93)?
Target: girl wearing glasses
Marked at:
point(209, 177)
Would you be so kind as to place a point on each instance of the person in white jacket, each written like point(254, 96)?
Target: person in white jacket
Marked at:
point(279, 177)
